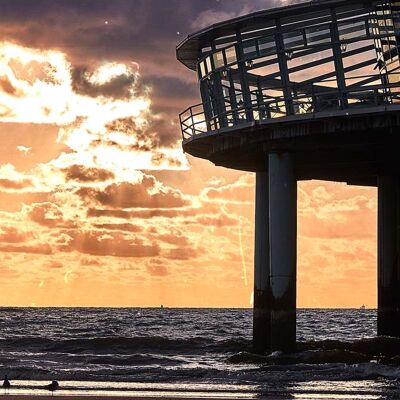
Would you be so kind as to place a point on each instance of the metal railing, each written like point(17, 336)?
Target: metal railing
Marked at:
point(194, 120)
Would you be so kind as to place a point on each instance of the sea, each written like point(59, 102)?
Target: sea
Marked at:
point(198, 353)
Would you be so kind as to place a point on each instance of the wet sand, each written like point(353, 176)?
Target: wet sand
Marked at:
point(182, 395)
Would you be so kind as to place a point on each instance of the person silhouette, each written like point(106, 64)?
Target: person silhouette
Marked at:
point(6, 384)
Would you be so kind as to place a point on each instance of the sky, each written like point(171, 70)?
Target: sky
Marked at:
point(99, 206)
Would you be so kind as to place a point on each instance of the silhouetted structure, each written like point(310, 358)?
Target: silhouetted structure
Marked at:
point(309, 91)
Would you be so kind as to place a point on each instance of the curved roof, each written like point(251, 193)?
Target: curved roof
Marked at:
point(188, 50)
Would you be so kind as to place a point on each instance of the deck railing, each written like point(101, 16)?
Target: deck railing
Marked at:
point(194, 120)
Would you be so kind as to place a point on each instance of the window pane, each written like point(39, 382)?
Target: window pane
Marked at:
point(249, 48)
point(208, 62)
point(218, 59)
point(293, 39)
point(202, 69)
point(266, 45)
point(318, 35)
point(351, 30)
point(230, 55)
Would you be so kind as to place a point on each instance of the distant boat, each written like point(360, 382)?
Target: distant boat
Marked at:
point(362, 307)
point(162, 306)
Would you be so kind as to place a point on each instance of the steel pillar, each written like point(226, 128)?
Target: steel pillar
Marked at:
point(282, 238)
point(274, 317)
point(388, 256)
point(261, 311)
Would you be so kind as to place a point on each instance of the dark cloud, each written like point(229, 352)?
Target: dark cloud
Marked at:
point(183, 253)
point(83, 174)
point(120, 227)
point(140, 195)
point(119, 87)
point(10, 234)
point(90, 261)
point(220, 220)
point(103, 243)
point(142, 214)
point(17, 185)
point(55, 265)
point(32, 249)
point(176, 239)
point(167, 87)
point(46, 214)
point(7, 87)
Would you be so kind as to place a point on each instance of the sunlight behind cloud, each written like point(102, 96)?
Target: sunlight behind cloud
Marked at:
point(103, 113)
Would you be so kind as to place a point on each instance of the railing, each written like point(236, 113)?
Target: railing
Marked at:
point(194, 121)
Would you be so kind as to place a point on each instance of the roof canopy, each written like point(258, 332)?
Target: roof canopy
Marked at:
point(190, 50)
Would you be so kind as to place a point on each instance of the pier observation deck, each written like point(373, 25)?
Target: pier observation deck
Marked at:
point(307, 91)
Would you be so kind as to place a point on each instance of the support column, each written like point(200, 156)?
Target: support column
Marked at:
point(261, 311)
point(283, 251)
point(388, 256)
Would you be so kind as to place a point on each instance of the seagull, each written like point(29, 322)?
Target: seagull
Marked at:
point(53, 386)
point(6, 384)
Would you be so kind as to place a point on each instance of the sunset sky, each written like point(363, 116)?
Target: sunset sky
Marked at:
point(98, 204)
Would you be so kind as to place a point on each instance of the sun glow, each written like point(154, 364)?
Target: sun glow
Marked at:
point(102, 128)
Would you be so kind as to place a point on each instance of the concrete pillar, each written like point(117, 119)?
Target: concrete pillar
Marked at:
point(261, 311)
point(283, 251)
point(388, 256)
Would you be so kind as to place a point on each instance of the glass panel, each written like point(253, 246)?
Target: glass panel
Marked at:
point(202, 69)
point(352, 30)
point(230, 55)
point(218, 59)
point(318, 35)
point(208, 63)
point(266, 45)
point(249, 48)
point(293, 39)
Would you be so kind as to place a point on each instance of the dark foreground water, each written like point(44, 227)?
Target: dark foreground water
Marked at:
point(196, 350)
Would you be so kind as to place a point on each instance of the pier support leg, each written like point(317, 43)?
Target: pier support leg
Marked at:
point(388, 256)
point(283, 238)
point(261, 312)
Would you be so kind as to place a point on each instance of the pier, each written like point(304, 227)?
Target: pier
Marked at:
point(308, 91)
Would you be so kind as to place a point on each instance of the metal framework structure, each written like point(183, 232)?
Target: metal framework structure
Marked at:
point(305, 59)
point(308, 91)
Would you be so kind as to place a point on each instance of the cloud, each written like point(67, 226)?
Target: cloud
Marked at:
point(46, 214)
point(102, 243)
point(183, 253)
point(81, 173)
point(44, 249)
point(9, 184)
point(145, 194)
point(219, 220)
point(55, 265)
point(103, 111)
point(116, 86)
point(240, 191)
point(154, 268)
point(336, 211)
point(11, 234)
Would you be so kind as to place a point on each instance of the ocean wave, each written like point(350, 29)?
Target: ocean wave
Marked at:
point(122, 345)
